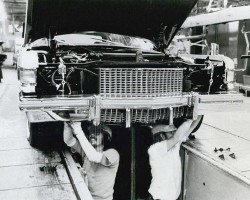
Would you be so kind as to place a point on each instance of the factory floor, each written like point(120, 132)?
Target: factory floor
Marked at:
point(21, 174)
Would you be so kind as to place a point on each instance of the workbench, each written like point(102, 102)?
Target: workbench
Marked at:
point(210, 173)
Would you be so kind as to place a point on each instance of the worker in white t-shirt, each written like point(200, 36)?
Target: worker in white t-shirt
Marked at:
point(165, 159)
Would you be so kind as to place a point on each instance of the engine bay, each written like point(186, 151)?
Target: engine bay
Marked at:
point(80, 72)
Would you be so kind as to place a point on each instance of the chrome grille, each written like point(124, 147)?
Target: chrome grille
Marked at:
point(140, 82)
point(140, 115)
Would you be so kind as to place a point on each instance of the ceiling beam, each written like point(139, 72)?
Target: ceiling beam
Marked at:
point(15, 2)
point(219, 17)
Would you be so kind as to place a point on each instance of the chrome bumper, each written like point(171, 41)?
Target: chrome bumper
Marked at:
point(91, 106)
point(219, 103)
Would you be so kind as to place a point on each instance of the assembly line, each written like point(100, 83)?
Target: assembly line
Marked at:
point(124, 100)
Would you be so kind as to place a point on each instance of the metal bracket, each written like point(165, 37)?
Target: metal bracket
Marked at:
point(171, 116)
point(97, 111)
point(190, 100)
point(91, 109)
point(128, 118)
point(247, 51)
point(195, 102)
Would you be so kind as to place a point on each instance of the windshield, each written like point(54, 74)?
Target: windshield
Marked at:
point(99, 38)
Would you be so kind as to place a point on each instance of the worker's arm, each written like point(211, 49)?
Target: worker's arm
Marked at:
point(71, 141)
point(81, 143)
point(181, 133)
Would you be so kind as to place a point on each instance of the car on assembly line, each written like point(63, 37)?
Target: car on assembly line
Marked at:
point(105, 62)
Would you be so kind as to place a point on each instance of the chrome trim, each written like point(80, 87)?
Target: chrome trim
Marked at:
point(27, 88)
point(219, 103)
point(140, 82)
point(146, 103)
point(91, 102)
point(28, 103)
point(200, 104)
point(221, 98)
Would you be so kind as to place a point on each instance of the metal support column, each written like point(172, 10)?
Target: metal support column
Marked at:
point(133, 164)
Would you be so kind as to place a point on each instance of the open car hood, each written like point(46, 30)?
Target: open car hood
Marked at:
point(142, 18)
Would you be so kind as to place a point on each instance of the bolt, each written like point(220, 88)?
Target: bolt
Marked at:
point(222, 157)
point(232, 155)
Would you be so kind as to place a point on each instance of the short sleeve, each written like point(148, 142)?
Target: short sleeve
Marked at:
point(155, 150)
point(110, 157)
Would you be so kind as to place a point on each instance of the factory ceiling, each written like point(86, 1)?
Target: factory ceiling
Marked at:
point(207, 6)
point(15, 10)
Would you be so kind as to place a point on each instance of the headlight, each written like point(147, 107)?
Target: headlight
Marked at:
point(28, 76)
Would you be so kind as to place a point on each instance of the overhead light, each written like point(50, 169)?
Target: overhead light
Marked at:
point(3, 14)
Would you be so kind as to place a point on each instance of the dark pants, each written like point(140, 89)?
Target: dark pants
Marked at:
point(150, 198)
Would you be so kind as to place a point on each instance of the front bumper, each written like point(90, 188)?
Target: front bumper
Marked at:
point(90, 106)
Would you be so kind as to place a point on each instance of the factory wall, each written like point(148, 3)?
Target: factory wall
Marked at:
point(231, 43)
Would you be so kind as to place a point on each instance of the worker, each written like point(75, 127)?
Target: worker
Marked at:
point(165, 159)
point(100, 164)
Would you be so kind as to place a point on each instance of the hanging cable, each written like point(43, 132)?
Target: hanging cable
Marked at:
point(211, 67)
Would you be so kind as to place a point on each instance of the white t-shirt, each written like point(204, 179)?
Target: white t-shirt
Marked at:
point(166, 171)
point(101, 177)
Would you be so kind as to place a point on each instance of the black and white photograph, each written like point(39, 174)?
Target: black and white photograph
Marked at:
point(124, 99)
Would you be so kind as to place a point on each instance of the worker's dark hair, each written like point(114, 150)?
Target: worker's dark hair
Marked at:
point(156, 137)
point(105, 130)
point(160, 136)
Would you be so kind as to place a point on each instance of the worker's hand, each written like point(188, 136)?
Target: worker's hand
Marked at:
point(163, 128)
point(194, 124)
point(77, 128)
point(68, 136)
point(184, 130)
point(187, 127)
point(107, 130)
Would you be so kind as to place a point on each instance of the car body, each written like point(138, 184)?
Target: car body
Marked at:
point(105, 61)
